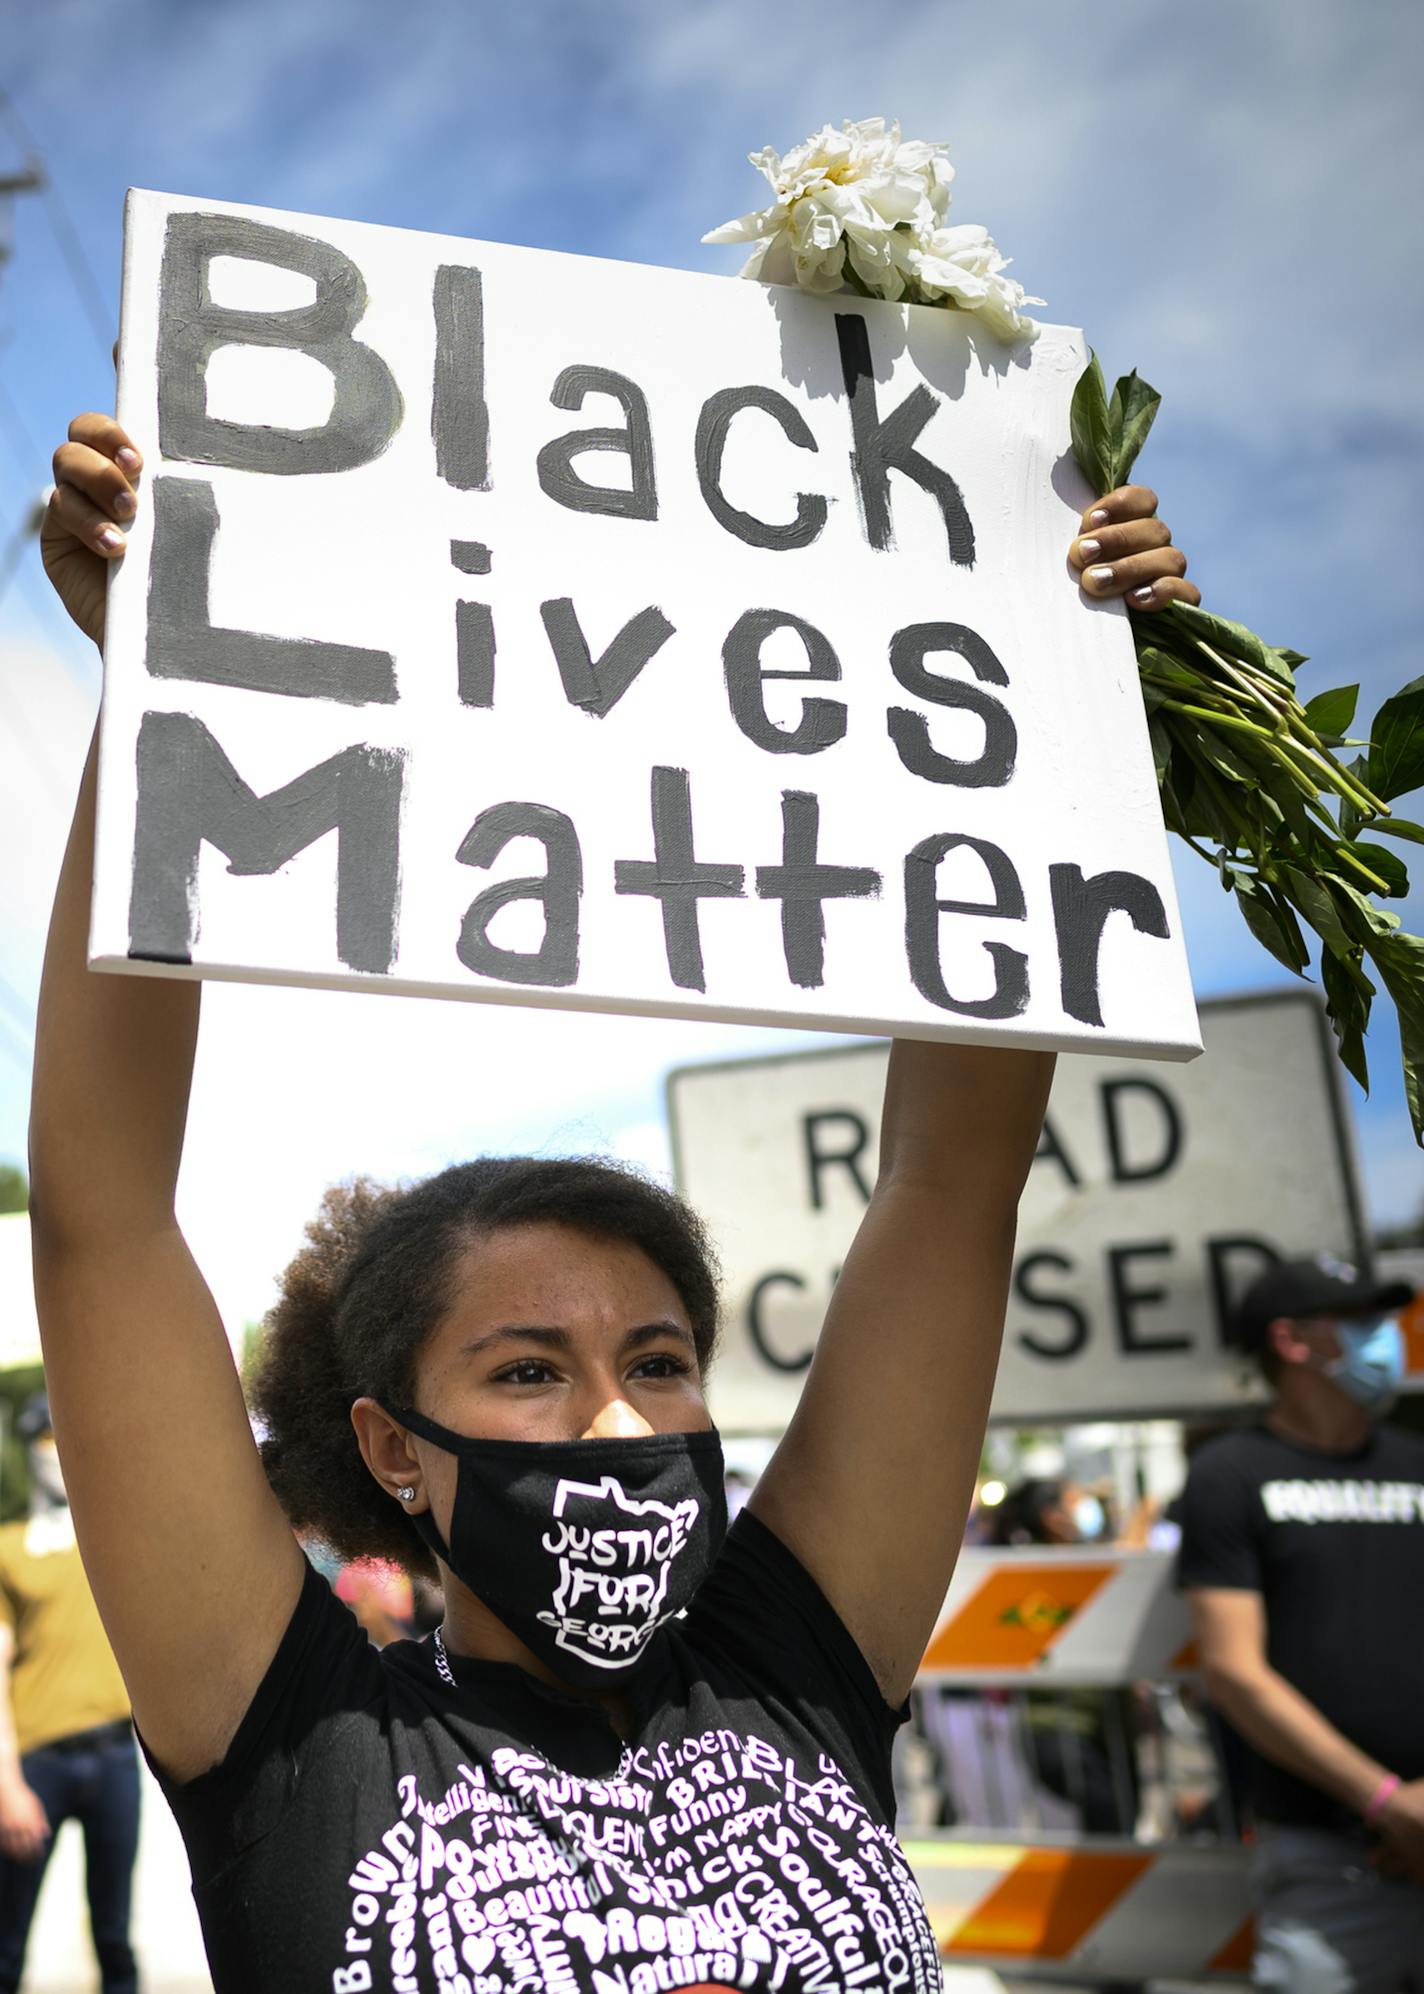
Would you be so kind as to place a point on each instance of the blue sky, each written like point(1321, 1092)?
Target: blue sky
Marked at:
point(1223, 195)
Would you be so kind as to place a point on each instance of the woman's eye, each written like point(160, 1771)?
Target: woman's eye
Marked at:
point(662, 1366)
point(529, 1371)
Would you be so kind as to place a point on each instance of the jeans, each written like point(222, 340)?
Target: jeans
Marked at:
point(1327, 1922)
point(91, 1778)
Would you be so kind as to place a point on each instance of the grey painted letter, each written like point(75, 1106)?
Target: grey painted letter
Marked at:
point(189, 793)
point(366, 412)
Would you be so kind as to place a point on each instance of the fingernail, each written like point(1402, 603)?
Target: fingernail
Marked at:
point(125, 505)
point(1089, 548)
point(1102, 576)
point(128, 460)
point(1099, 518)
point(1142, 594)
point(111, 538)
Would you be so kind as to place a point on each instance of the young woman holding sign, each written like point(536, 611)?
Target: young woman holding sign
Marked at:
point(499, 1374)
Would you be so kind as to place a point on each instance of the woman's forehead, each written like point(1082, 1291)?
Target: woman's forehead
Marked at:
point(552, 1275)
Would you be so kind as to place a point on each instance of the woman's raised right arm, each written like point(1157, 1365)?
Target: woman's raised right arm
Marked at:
point(191, 1560)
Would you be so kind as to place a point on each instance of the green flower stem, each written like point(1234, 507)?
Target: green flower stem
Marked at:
point(1349, 859)
point(1219, 718)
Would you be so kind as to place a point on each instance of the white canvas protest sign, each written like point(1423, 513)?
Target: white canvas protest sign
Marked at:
point(1154, 1200)
point(510, 625)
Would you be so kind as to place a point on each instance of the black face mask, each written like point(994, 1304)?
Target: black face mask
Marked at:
point(584, 1548)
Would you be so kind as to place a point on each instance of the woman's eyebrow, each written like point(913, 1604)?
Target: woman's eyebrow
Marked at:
point(651, 1332)
point(546, 1336)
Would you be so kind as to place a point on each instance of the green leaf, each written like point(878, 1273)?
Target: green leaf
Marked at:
point(1348, 1009)
point(1089, 426)
point(1272, 923)
point(1234, 638)
point(1131, 413)
point(1400, 961)
point(1161, 747)
point(1386, 865)
point(1396, 763)
point(1363, 919)
point(1320, 911)
point(1398, 827)
point(1330, 713)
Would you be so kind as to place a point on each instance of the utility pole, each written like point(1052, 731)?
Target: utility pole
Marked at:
point(30, 179)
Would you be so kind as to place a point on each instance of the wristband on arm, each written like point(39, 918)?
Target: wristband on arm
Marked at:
point(1380, 1798)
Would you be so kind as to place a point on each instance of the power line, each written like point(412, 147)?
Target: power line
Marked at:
point(71, 248)
point(13, 423)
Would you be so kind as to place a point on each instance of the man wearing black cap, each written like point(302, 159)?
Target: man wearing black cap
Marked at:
point(1303, 1560)
point(66, 1744)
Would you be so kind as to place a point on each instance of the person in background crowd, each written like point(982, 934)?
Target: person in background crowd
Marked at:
point(1079, 1741)
point(1302, 1557)
point(380, 1595)
point(66, 1743)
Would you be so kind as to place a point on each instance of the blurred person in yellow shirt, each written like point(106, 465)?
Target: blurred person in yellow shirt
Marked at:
point(66, 1742)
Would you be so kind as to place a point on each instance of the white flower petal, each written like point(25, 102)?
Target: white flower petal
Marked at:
point(746, 228)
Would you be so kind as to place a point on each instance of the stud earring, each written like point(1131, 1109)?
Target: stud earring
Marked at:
point(406, 1494)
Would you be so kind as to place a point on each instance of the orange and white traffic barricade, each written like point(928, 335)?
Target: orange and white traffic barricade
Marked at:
point(1070, 1616)
point(1099, 1642)
point(1106, 1912)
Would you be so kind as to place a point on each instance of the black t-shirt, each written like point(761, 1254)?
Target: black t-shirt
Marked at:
point(1334, 1543)
point(373, 1828)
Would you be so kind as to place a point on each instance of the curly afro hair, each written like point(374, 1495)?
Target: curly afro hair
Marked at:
point(361, 1298)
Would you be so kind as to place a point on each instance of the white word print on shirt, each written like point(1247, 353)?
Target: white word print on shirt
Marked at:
point(1352, 1501)
point(705, 1864)
point(613, 1579)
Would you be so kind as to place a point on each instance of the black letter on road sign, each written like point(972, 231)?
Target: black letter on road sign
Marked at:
point(1024, 1288)
point(922, 913)
point(366, 411)
point(910, 732)
point(555, 964)
point(712, 427)
point(678, 878)
point(183, 644)
point(1226, 1283)
point(1050, 1146)
point(1126, 1299)
point(189, 792)
point(1080, 911)
point(756, 1329)
point(819, 1159)
point(882, 446)
point(635, 441)
point(1141, 1172)
point(803, 884)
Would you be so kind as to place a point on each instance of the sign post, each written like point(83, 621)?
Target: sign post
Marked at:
point(1155, 1197)
point(524, 627)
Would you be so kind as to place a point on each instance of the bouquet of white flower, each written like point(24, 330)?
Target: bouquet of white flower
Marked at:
point(1242, 766)
point(864, 207)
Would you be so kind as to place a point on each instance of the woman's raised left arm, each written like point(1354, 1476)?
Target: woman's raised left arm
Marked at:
point(872, 1482)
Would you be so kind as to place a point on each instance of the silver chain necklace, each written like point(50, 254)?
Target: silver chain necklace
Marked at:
point(442, 1662)
point(446, 1675)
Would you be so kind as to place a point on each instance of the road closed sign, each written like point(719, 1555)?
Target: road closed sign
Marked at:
point(1156, 1196)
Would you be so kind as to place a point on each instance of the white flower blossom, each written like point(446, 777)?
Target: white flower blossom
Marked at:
point(963, 266)
point(840, 196)
point(865, 208)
